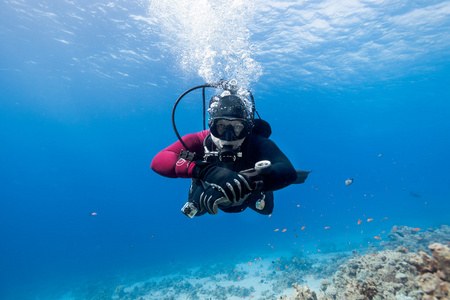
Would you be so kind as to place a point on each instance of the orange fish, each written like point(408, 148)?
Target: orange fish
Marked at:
point(250, 263)
point(276, 229)
point(368, 220)
point(93, 214)
point(303, 227)
point(359, 222)
point(416, 229)
point(395, 229)
point(327, 227)
point(239, 277)
point(377, 237)
point(284, 230)
point(278, 269)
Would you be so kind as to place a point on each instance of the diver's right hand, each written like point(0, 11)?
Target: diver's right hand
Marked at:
point(210, 199)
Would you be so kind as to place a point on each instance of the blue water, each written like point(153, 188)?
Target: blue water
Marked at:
point(86, 96)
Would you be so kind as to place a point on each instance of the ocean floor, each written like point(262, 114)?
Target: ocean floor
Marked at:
point(411, 264)
point(267, 278)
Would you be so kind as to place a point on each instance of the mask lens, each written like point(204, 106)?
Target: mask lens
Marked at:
point(228, 129)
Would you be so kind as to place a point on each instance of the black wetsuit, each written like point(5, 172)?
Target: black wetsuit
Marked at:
point(254, 149)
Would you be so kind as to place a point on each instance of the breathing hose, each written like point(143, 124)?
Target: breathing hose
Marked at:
point(222, 84)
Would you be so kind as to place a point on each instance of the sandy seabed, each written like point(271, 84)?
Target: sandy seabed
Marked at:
point(410, 264)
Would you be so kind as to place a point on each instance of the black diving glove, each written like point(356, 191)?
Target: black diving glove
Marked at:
point(232, 184)
point(210, 199)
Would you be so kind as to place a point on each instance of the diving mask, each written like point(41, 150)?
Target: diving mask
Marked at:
point(230, 129)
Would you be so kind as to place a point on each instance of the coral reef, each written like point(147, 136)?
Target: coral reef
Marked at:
point(300, 293)
point(414, 239)
point(434, 278)
point(388, 274)
point(373, 276)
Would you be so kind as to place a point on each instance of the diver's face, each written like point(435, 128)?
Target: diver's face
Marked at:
point(229, 128)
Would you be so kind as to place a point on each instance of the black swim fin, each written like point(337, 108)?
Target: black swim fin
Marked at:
point(301, 176)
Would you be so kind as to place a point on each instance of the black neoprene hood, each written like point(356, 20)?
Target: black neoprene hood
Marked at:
point(229, 106)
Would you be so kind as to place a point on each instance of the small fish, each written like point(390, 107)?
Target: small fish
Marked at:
point(276, 229)
point(93, 214)
point(239, 277)
point(284, 230)
point(380, 155)
point(369, 220)
point(359, 222)
point(416, 229)
point(298, 205)
point(249, 263)
point(327, 227)
point(349, 181)
point(303, 228)
point(377, 237)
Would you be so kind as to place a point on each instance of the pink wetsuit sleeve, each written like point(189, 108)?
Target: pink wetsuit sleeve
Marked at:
point(167, 162)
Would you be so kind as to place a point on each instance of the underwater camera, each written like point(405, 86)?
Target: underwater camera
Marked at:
point(262, 167)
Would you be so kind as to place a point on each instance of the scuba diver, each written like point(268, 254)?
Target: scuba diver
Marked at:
point(234, 164)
